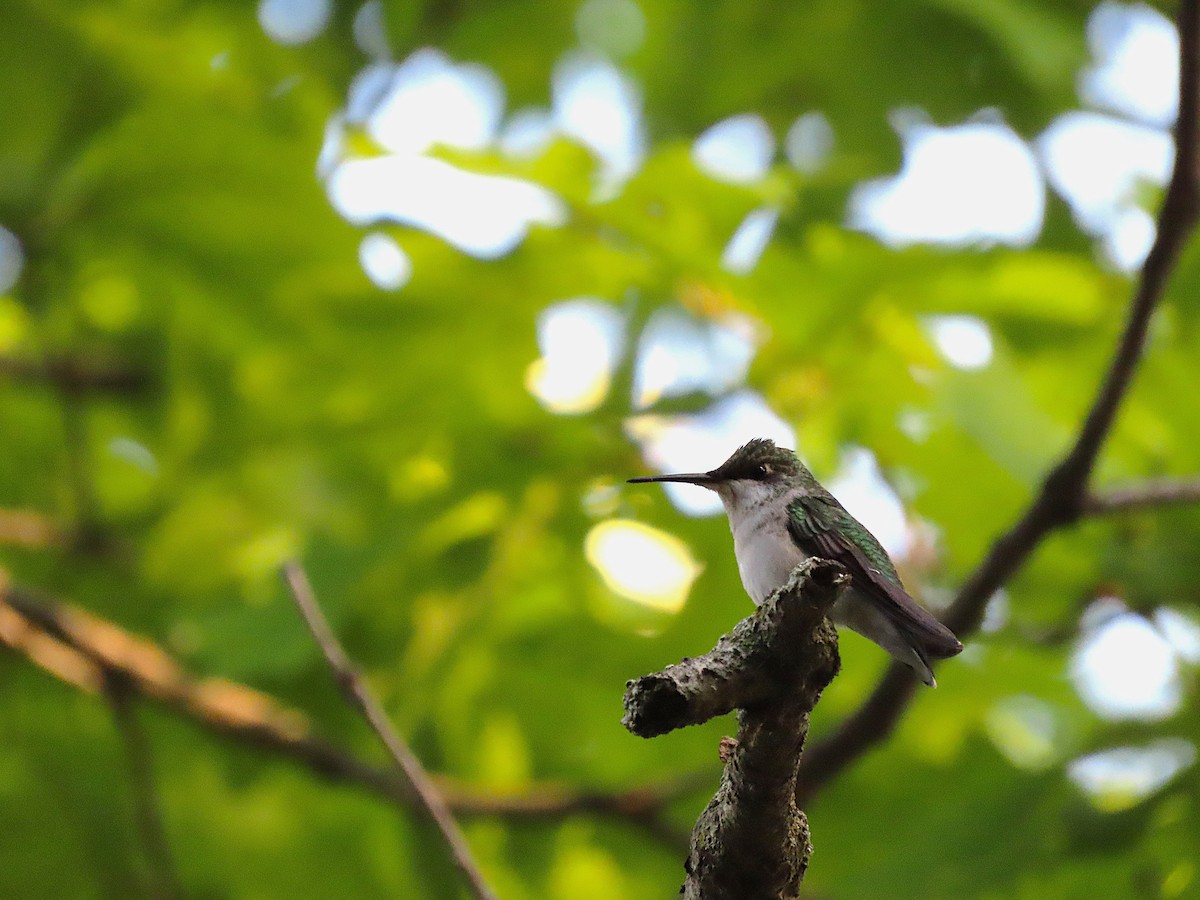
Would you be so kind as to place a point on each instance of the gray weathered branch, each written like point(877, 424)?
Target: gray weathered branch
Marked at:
point(752, 840)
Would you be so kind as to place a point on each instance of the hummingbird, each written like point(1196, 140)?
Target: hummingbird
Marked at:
point(780, 515)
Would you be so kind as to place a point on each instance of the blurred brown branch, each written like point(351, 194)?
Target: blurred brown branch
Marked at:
point(83, 650)
point(1143, 495)
point(76, 374)
point(30, 530)
point(1063, 497)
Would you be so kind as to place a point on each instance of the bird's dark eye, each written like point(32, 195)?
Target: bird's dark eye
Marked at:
point(762, 471)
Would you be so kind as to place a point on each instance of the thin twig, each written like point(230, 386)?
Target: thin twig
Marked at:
point(1062, 499)
point(1143, 495)
point(164, 884)
point(87, 532)
point(85, 651)
point(357, 692)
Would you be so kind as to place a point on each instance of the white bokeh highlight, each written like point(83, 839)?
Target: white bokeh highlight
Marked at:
point(293, 22)
point(370, 30)
point(1096, 163)
point(997, 613)
point(409, 109)
point(384, 261)
point(1135, 68)
point(598, 105)
point(1123, 667)
point(1099, 162)
point(581, 341)
point(431, 100)
point(135, 453)
point(1120, 778)
point(976, 183)
point(1128, 239)
point(738, 149)
point(965, 342)
point(746, 247)
point(1181, 631)
point(527, 133)
point(642, 564)
point(484, 215)
point(367, 90)
point(679, 353)
point(12, 259)
point(809, 142)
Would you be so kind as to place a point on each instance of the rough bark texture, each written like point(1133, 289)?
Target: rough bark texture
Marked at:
point(752, 840)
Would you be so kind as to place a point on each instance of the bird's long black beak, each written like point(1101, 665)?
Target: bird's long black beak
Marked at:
point(704, 479)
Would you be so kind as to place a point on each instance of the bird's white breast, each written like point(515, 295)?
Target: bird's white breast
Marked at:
point(766, 553)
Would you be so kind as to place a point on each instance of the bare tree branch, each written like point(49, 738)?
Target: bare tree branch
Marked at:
point(164, 884)
point(30, 530)
point(88, 532)
point(1143, 495)
point(356, 691)
point(84, 651)
point(752, 840)
point(1063, 496)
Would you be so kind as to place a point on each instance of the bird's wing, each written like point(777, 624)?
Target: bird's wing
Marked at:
point(819, 526)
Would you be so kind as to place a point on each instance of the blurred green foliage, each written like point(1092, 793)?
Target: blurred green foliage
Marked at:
point(157, 162)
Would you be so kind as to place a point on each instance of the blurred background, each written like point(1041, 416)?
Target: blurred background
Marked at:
point(407, 289)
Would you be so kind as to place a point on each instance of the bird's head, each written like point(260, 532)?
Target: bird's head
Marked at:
point(755, 470)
